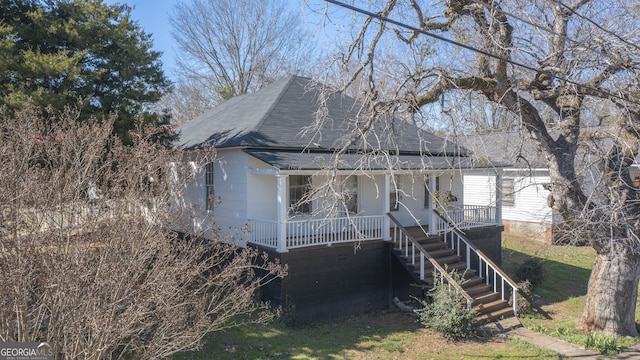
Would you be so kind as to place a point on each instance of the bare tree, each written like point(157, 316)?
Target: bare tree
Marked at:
point(553, 66)
point(186, 99)
point(88, 256)
point(236, 47)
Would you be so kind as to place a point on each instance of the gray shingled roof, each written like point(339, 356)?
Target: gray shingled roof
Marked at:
point(275, 117)
point(509, 147)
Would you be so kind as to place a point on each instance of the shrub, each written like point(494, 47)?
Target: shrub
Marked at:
point(531, 270)
point(88, 257)
point(447, 311)
point(523, 306)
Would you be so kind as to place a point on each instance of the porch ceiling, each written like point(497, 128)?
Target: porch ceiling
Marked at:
point(297, 160)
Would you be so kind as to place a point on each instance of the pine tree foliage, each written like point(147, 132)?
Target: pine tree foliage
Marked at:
point(60, 52)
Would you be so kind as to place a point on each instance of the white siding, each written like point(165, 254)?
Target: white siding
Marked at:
point(230, 187)
point(370, 197)
point(412, 191)
point(480, 189)
point(530, 198)
point(192, 204)
point(230, 178)
point(261, 192)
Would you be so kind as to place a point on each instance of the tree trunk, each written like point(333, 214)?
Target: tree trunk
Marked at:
point(611, 297)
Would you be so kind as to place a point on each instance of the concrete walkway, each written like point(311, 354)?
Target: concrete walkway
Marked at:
point(512, 329)
point(548, 342)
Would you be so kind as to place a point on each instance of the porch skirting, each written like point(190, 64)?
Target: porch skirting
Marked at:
point(326, 282)
point(331, 282)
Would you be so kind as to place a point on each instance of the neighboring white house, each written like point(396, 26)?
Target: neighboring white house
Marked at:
point(525, 184)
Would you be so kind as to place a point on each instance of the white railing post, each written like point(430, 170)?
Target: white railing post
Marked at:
point(468, 257)
point(498, 198)
point(386, 222)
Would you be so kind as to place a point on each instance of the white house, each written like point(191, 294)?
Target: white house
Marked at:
point(525, 184)
point(273, 154)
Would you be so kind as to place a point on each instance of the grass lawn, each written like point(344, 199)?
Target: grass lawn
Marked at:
point(381, 335)
point(395, 335)
point(562, 292)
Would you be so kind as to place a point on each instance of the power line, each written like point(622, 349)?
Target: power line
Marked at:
point(492, 6)
point(606, 54)
point(476, 50)
point(597, 25)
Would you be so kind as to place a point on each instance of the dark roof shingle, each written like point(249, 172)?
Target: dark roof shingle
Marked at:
point(276, 117)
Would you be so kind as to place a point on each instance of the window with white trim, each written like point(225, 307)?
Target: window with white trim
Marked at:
point(208, 186)
point(427, 192)
point(508, 192)
point(394, 193)
point(299, 189)
point(350, 193)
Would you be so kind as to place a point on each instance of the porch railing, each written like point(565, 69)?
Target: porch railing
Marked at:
point(321, 231)
point(467, 217)
point(477, 260)
point(409, 247)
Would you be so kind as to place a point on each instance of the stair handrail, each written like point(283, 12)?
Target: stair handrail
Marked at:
point(515, 288)
point(436, 266)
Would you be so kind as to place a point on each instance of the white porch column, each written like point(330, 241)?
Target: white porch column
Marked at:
point(282, 209)
point(386, 223)
point(499, 197)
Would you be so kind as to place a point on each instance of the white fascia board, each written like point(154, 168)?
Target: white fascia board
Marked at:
point(263, 171)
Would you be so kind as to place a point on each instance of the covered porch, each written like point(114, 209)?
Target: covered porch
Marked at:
point(292, 234)
point(407, 196)
point(413, 194)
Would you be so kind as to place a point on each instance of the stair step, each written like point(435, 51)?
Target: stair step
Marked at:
point(495, 315)
point(484, 298)
point(472, 281)
point(440, 253)
point(491, 306)
point(478, 290)
point(446, 256)
point(460, 267)
point(433, 245)
point(450, 260)
point(469, 275)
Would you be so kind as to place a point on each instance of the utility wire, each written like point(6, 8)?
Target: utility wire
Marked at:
point(492, 6)
point(597, 25)
point(476, 50)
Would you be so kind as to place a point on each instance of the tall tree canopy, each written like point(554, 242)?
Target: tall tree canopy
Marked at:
point(59, 52)
point(555, 65)
point(235, 47)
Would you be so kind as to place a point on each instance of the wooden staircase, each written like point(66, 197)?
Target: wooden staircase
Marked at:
point(489, 304)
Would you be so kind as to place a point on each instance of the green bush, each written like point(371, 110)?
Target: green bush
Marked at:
point(531, 270)
point(445, 310)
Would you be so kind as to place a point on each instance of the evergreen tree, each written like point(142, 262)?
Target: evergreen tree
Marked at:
point(84, 52)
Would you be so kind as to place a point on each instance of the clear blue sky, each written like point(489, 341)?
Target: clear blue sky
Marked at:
point(153, 17)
